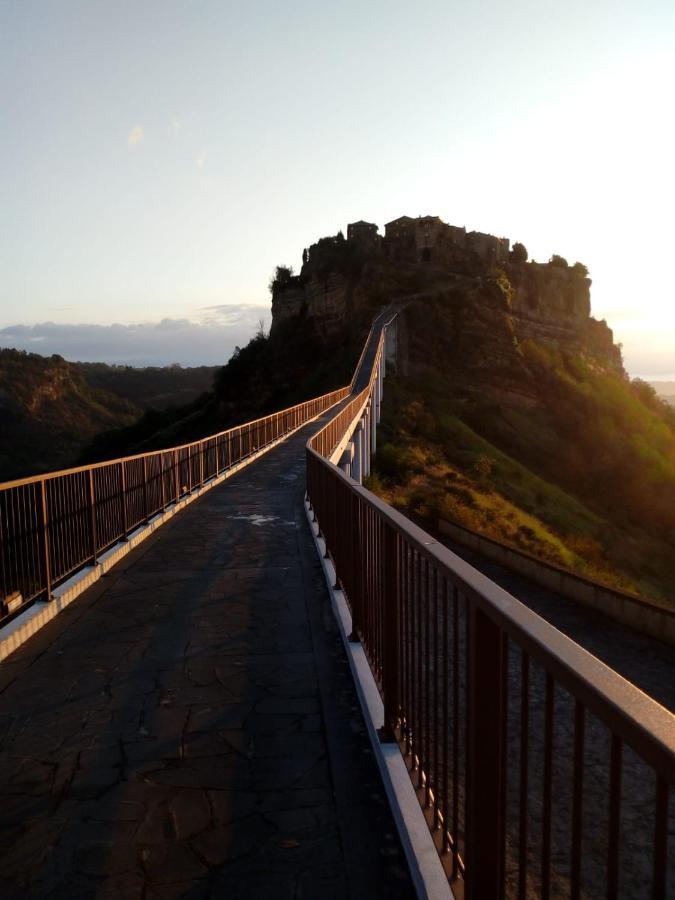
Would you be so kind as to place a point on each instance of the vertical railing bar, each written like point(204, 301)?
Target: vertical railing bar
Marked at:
point(547, 790)
point(162, 480)
point(45, 538)
point(660, 838)
point(614, 818)
point(446, 736)
point(92, 513)
point(577, 800)
point(427, 687)
point(504, 728)
point(524, 766)
point(417, 733)
point(123, 499)
point(435, 779)
point(455, 734)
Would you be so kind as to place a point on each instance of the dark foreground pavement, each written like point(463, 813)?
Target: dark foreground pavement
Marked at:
point(189, 727)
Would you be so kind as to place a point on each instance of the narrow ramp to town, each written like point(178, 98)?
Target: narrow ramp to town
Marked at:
point(189, 726)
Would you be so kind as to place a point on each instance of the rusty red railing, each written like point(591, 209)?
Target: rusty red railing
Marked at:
point(53, 525)
point(541, 772)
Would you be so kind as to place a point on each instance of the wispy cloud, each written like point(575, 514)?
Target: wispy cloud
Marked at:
point(226, 315)
point(136, 136)
point(200, 160)
point(209, 341)
point(175, 126)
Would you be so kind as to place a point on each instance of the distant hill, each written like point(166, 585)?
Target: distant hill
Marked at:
point(152, 387)
point(50, 408)
point(665, 390)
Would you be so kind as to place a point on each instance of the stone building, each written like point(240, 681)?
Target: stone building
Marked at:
point(490, 248)
point(430, 239)
point(366, 234)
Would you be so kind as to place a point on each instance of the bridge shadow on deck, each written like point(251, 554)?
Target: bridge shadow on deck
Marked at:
point(189, 726)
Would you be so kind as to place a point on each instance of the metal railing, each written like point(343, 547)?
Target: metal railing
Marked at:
point(53, 525)
point(541, 771)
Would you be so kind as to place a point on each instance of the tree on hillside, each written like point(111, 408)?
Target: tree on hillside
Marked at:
point(580, 269)
point(558, 261)
point(281, 278)
point(519, 253)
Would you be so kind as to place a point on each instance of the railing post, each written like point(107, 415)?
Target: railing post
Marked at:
point(355, 596)
point(201, 463)
point(373, 424)
point(390, 613)
point(123, 500)
point(176, 474)
point(161, 478)
point(485, 813)
point(46, 558)
point(92, 517)
point(145, 488)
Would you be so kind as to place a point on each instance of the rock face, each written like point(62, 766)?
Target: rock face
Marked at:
point(323, 301)
point(497, 301)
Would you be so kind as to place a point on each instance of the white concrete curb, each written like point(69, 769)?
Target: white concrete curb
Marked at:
point(425, 865)
point(27, 623)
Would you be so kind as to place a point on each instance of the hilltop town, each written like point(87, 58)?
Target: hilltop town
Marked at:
point(344, 277)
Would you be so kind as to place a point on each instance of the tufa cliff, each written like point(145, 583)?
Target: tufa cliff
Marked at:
point(488, 298)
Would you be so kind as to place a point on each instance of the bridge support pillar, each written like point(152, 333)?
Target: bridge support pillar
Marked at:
point(346, 459)
point(391, 342)
point(366, 442)
point(357, 462)
point(373, 422)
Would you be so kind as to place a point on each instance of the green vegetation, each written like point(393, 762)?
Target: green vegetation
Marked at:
point(150, 387)
point(519, 253)
point(581, 474)
point(51, 409)
point(48, 412)
point(559, 261)
point(282, 278)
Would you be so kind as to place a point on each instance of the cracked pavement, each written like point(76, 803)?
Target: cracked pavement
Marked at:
point(189, 726)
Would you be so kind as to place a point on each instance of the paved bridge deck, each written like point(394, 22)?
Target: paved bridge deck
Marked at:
point(189, 726)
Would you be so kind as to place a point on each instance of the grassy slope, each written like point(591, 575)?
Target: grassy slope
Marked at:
point(433, 462)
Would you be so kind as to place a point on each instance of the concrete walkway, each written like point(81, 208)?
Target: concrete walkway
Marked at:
point(189, 726)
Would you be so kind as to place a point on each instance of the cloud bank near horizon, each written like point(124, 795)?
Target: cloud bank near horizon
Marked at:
point(209, 342)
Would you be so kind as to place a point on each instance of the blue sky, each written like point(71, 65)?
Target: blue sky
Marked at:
point(160, 158)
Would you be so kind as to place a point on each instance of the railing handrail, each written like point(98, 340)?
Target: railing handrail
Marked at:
point(639, 716)
point(46, 476)
point(379, 557)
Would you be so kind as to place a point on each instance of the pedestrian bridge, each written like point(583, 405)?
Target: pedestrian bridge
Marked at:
point(230, 670)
